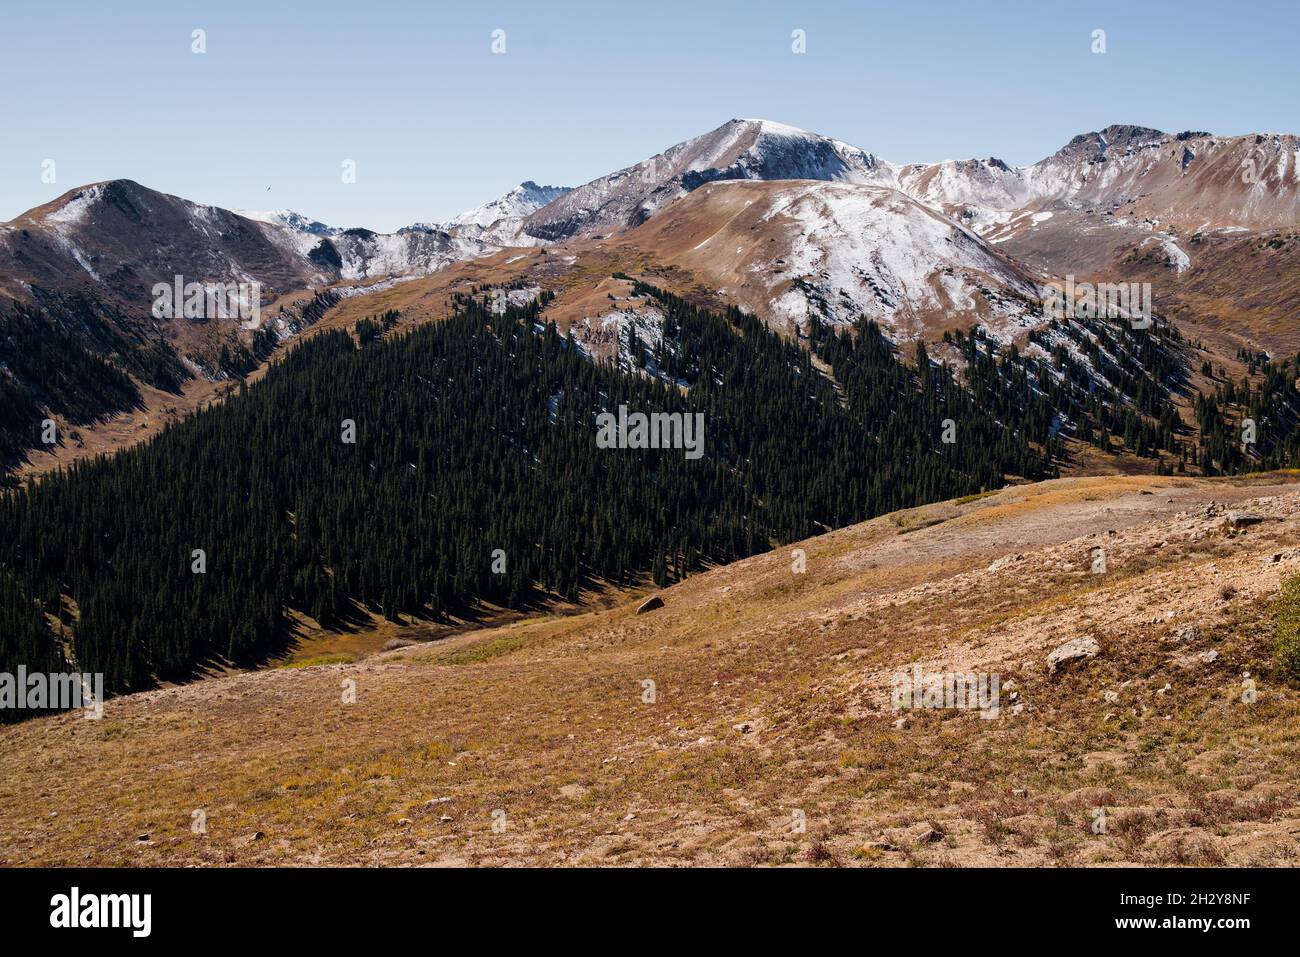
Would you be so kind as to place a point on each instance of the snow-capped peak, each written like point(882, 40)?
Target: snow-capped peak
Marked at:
point(289, 220)
point(527, 197)
point(738, 149)
point(775, 128)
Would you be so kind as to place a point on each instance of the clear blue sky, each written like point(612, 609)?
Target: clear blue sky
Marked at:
point(436, 123)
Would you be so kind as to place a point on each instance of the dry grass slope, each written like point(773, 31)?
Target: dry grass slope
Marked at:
point(770, 738)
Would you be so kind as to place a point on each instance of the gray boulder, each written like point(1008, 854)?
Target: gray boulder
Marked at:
point(1078, 649)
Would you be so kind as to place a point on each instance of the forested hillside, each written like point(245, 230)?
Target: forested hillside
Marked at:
point(470, 436)
point(74, 362)
point(422, 473)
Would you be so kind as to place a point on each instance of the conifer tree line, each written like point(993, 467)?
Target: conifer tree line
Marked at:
point(1124, 395)
point(1252, 424)
point(69, 361)
point(468, 436)
point(80, 358)
point(1104, 383)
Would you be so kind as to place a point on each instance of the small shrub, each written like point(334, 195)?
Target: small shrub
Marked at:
point(819, 853)
point(1286, 631)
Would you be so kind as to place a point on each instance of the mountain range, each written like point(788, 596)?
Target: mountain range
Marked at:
point(1127, 189)
point(790, 225)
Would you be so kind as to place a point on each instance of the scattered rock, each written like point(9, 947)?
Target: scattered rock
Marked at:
point(1079, 649)
point(1242, 519)
point(878, 846)
point(1193, 661)
point(920, 833)
point(650, 604)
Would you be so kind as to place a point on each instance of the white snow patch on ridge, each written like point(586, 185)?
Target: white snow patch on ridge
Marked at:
point(863, 250)
point(76, 209)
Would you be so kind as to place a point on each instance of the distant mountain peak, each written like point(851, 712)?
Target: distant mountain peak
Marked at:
point(751, 149)
point(776, 128)
point(1117, 138)
point(529, 186)
point(289, 220)
point(526, 198)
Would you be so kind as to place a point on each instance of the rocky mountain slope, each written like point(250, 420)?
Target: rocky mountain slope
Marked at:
point(1193, 181)
point(739, 149)
point(120, 238)
point(1201, 217)
point(499, 222)
point(838, 251)
point(750, 720)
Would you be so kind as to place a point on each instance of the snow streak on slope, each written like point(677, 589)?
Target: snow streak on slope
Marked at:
point(789, 250)
point(866, 251)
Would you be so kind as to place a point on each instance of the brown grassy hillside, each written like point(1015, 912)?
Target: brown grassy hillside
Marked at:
point(771, 738)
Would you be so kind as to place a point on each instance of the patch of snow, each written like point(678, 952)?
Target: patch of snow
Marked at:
point(866, 251)
point(77, 208)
